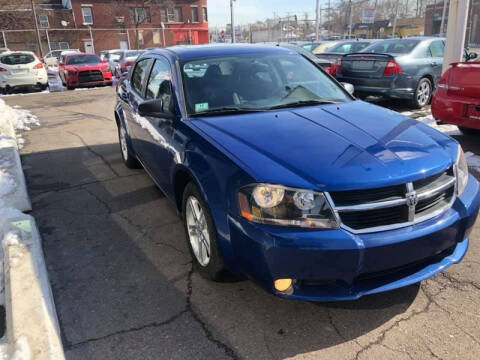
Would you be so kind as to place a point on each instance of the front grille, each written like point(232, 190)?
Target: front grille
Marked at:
point(89, 76)
point(370, 210)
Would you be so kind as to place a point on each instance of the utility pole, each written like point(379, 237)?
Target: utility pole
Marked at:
point(395, 19)
point(232, 20)
point(317, 20)
point(37, 32)
point(442, 23)
point(350, 21)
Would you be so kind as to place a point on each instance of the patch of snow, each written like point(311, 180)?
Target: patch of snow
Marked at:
point(7, 183)
point(473, 160)
point(20, 119)
point(446, 129)
point(22, 349)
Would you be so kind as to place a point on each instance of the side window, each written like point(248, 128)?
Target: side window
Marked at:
point(437, 48)
point(160, 85)
point(139, 74)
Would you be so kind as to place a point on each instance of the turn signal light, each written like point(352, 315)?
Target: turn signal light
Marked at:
point(283, 285)
point(38, 66)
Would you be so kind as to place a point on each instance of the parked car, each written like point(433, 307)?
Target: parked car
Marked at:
point(325, 46)
point(457, 98)
point(122, 60)
point(334, 53)
point(109, 56)
point(21, 69)
point(52, 57)
point(397, 68)
point(326, 64)
point(4, 49)
point(281, 176)
point(312, 46)
point(82, 69)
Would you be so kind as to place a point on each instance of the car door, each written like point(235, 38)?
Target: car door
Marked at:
point(135, 92)
point(436, 48)
point(156, 133)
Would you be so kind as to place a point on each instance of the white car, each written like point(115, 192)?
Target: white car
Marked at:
point(21, 69)
point(52, 57)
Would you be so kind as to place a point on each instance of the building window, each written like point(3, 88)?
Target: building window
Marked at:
point(205, 14)
point(121, 29)
point(62, 45)
point(194, 14)
point(140, 15)
point(43, 20)
point(173, 14)
point(87, 15)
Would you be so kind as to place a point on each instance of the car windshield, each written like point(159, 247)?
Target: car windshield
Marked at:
point(256, 82)
point(392, 47)
point(17, 59)
point(83, 59)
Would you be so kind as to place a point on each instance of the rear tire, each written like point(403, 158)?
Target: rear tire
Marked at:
point(423, 93)
point(128, 158)
point(201, 235)
point(469, 131)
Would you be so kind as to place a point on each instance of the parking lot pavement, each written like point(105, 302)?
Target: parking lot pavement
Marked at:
point(122, 278)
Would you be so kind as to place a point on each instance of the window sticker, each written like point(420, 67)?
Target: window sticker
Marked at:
point(201, 107)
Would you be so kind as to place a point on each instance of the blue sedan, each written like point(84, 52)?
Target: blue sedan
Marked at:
point(281, 176)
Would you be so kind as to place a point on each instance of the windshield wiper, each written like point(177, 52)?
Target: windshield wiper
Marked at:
point(226, 111)
point(302, 103)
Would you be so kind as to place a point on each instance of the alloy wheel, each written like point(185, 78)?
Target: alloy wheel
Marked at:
point(198, 230)
point(123, 143)
point(423, 93)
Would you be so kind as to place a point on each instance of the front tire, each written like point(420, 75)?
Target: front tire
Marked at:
point(129, 160)
point(201, 235)
point(423, 93)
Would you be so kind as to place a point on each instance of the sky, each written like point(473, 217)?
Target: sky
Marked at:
point(248, 11)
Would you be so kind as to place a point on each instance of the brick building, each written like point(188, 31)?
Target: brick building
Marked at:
point(433, 20)
point(95, 25)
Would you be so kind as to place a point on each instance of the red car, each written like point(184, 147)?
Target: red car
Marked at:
point(457, 98)
point(79, 69)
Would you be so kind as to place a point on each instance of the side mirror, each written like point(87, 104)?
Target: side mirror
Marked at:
point(153, 108)
point(472, 56)
point(349, 87)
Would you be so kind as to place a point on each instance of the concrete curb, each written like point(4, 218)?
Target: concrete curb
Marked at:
point(32, 330)
point(32, 325)
point(15, 196)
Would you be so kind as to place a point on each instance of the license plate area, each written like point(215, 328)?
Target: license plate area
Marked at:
point(19, 71)
point(362, 64)
point(473, 112)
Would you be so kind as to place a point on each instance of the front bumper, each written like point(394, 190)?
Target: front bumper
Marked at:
point(72, 81)
point(335, 264)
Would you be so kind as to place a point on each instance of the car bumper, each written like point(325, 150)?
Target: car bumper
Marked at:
point(73, 81)
point(330, 265)
point(451, 109)
point(400, 86)
point(19, 81)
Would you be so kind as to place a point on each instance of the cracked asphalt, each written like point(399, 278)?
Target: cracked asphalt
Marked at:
point(123, 283)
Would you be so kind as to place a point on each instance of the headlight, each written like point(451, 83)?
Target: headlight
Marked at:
point(279, 205)
point(462, 171)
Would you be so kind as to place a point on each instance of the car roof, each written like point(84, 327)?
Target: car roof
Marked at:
point(13, 52)
point(419, 38)
point(188, 52)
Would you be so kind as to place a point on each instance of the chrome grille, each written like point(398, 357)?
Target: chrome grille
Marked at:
point(370, 210)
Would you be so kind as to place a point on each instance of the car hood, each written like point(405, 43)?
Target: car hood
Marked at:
point(352, 145)
point(86, 67)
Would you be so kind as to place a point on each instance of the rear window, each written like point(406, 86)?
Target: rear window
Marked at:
point(17, 59)
point(392, 47)
point(83, 59)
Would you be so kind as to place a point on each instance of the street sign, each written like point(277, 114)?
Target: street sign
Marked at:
point(368, 16)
